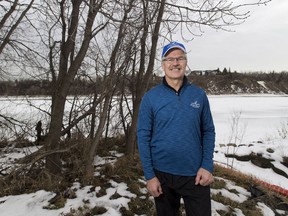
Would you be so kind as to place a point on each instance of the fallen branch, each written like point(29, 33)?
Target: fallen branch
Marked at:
point(39, 155)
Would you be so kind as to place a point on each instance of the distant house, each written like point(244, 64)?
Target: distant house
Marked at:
point(204, 72)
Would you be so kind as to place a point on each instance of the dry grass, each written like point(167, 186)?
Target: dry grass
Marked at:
point(269, 197)
point(239, 178)
point(126, 169)
point(285, 161)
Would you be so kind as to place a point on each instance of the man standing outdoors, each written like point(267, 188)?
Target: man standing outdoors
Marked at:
point(176, 138)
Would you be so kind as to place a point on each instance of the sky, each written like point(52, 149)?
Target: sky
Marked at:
point(258, 44)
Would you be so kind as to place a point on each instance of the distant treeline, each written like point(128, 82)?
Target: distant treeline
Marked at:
point(241, 83)
point(277, 82)
point(44, 87)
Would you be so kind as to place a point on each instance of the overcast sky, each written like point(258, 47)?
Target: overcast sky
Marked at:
point(259, 44)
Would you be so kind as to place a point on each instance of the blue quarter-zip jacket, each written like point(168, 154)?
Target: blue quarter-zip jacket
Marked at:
point(175, 132)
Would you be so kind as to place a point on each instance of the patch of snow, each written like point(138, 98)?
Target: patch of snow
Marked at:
point(263, 84)
point(265, 209)
point(218, 206)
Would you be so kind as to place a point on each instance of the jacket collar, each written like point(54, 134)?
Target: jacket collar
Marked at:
point(185, 81)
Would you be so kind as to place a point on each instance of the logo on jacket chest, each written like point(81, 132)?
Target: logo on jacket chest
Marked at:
point(195, 104)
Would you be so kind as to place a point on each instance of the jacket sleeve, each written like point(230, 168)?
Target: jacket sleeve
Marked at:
point(144, 136)
point(208, 136)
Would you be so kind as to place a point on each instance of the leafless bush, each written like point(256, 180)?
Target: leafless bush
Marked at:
point(236, 135)
point(283, 130)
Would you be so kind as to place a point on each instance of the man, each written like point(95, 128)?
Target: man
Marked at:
point(176, 138)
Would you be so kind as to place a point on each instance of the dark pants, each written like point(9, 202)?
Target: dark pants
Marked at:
point(197, 200)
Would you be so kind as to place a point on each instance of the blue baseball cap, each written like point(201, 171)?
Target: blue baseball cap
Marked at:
point(172, 45)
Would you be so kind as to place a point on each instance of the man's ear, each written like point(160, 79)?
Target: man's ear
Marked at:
point(162, 65)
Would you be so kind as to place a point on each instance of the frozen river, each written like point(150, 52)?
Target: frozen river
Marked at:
point(256, 117)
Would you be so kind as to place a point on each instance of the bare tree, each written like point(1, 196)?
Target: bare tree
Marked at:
point(79, 28)
point(12, 14)
point(113, 39)
point(168, 18)
point(144, 74)
point(119, 61)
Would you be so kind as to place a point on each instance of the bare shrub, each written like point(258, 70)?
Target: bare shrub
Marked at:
point(236, 135)
point(283, 130)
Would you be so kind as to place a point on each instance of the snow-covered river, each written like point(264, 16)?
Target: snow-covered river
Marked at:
point(256, 117)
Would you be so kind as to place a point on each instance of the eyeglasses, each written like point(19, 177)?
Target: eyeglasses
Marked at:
point(170, 59)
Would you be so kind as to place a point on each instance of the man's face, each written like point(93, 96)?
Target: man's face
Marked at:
point(174, 64)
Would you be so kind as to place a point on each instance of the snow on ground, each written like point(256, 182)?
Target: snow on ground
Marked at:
point(35, 204)
point(258, 120)
point(280, 149)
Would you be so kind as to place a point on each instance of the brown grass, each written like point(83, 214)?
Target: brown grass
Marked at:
point(126, 169)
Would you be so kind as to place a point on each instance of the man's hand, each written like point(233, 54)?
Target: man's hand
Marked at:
point(154, 187)
point(204, 177)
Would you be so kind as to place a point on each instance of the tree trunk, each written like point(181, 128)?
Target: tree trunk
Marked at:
point(53, 162)
point(93, 148)
point(142, 85)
